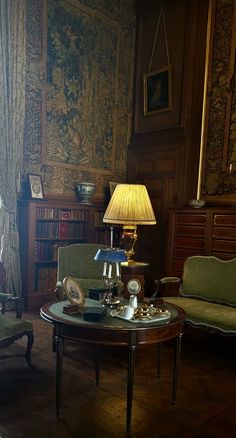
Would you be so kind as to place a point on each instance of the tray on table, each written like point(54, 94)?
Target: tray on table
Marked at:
point(150, 315)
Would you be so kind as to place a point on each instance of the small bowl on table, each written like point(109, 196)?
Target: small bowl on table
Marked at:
point(197, 203)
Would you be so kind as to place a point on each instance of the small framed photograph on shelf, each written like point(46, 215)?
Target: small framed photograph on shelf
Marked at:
point(157, 91)
point(36, 186)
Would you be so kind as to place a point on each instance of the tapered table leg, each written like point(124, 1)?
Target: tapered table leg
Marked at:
point(130, 381)
point(59, 352)
point(158, 361)
point(176, 367)
point(97, 366)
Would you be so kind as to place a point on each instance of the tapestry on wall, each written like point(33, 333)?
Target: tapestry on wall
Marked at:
point(78, 91)
point(220, 167)
point(82, 70)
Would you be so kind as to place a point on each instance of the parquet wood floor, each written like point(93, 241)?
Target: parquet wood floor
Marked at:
point(206, 396)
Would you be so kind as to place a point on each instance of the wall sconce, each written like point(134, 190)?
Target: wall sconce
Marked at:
point(130, 206)
point(112, 258)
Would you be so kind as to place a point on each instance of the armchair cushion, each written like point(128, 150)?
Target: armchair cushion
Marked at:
point(4, 297)
point(10, 327)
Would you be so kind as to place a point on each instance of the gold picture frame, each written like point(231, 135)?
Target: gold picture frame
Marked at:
point(74, 292)
point(36, 186)
point(157, 90)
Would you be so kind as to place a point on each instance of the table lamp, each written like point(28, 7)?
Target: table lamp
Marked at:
point(130, 206)
point(112, 258)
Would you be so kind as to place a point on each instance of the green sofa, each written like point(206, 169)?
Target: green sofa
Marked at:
point(208, 293)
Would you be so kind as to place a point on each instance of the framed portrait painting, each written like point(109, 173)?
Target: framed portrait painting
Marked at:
point(157, 91)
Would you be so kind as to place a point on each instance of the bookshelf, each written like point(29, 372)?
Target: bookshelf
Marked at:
point(44, 226)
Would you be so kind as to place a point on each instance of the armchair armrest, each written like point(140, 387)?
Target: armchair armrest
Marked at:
point(59, 291)
point(7, 298)
point(4, 297)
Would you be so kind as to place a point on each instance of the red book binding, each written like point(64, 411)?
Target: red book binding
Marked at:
point(63, 229)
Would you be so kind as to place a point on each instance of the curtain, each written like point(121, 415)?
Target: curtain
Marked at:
point(12, 112)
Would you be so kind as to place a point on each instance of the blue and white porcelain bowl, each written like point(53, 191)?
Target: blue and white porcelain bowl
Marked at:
point(197, 203)
point(85, 192)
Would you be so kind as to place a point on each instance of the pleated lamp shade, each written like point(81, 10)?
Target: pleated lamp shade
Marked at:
point(130, 204)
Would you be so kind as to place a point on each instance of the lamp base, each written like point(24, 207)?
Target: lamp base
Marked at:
point(128, 240)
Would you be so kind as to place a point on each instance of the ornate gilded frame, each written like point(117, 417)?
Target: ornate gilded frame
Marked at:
point(157, 91)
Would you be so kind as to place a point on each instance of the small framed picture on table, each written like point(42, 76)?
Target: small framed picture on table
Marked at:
point(36, 186)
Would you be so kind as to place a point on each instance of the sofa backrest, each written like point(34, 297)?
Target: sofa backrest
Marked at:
point(210, 278)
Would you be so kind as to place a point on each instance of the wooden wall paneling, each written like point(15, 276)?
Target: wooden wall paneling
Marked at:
point(157, 170)
point(193, 87)
point(187, 231)
point(164, 149)
point(188, 80)
point(206, 231)
point(175, 16)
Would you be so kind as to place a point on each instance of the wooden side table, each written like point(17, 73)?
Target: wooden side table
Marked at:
point(116, 334)
point(133, 277)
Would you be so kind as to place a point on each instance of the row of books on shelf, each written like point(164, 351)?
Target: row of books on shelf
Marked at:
point(61, 230)
point(61, 214)
point(46, 279)
point(47, 251)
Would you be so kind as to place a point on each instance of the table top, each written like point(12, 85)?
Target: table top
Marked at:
point(134, 264)
point(111, 329)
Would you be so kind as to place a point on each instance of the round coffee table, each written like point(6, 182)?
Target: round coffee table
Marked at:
point(113, 332)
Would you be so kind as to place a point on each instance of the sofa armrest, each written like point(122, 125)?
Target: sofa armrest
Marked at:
point(160, 284)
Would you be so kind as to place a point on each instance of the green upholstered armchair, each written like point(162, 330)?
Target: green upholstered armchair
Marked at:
point(12, 328)
point(77, 261)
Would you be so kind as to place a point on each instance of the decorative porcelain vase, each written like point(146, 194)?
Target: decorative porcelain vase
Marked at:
point(85, 192)
point(197, 203)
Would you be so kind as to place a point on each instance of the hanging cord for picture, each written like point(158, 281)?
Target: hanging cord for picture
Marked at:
point(161, 15)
